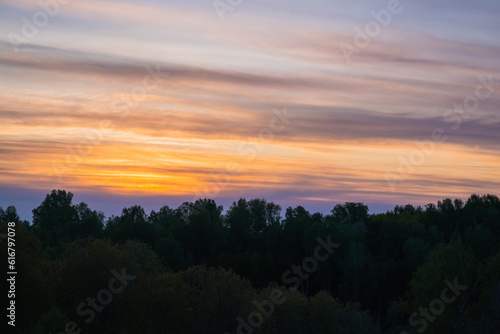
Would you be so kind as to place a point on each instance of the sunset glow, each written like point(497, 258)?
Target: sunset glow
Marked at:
point(166, 101)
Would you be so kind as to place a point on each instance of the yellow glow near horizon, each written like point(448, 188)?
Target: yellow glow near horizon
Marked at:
point(163, 99)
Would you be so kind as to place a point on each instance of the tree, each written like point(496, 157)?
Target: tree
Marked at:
point(96, 269)
point(171, 253)
point(353, 320)
point(55, 211)
point(203, 224)
point(85, 270)
point(9, 215)
point(482, 241)
point(263, 214)
point(414, 250)
point(131, 225)
point(53, 214)
point(165, 219)
point(32, 294)
point(350, 213)
point(51, 322)
point(238, 219)
point(388, 268)
point(160, 305)
point(322, 308)
point(446, 265)
point(356, 269)
point(89, 223)
point(290, 316)
point(217, 297)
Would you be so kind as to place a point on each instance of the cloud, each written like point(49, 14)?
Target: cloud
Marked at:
point(221, 83)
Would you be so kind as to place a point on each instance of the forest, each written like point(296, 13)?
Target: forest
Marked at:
point(256, 268)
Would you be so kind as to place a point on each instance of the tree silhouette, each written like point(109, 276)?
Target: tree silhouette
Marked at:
point(197, 270)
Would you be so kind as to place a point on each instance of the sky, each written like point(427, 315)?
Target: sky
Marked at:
point(310, 103)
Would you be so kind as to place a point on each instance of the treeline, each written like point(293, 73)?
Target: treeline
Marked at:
point(257, 269)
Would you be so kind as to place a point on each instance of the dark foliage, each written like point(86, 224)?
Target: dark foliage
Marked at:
point(197, 270)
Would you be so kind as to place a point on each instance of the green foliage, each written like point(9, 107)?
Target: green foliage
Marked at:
point(33, 296)
point(171, 253)
point(350, 213)
point(159, 305)
point(51, 322)
point(197, 270)
point(131, 225)
point(216, 297)
point(55, 211)
point(352, 320)
point(9, 215)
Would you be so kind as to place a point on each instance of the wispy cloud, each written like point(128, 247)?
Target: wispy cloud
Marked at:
point(220, 83)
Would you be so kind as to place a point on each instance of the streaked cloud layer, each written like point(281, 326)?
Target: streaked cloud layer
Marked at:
point(165, 101)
